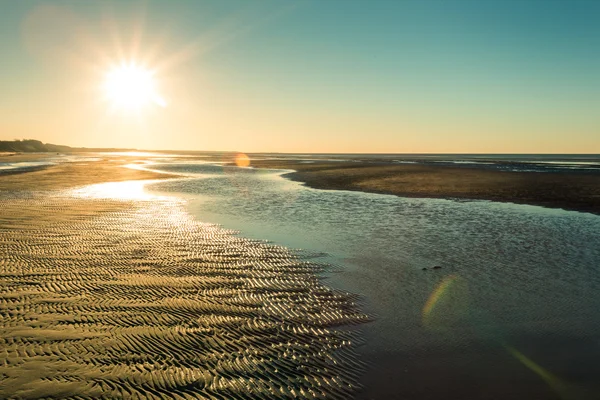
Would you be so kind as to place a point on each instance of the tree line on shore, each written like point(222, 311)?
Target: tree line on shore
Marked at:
point(36, 146)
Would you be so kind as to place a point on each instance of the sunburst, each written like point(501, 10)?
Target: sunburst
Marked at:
point(131, 86)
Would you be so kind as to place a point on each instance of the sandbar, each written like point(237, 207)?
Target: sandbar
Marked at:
point(568, 190)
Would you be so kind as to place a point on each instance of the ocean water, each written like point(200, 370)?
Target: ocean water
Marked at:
point(510, 312)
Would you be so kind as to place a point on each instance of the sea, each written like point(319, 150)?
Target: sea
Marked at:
point(468, 299)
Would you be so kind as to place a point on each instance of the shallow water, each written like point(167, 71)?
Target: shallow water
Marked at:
point(516, 298)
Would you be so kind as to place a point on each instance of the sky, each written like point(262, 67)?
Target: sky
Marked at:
point(347, 76)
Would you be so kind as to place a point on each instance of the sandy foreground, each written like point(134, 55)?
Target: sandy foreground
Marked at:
point(110, 297)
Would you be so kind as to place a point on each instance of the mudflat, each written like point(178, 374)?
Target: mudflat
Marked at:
point(579, 191)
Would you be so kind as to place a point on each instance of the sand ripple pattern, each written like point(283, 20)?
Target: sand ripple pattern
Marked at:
point(114, 299)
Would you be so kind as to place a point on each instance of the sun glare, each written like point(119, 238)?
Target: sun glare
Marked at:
point(130, 86)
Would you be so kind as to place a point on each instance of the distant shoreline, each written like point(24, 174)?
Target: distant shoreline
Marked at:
point(573, 191)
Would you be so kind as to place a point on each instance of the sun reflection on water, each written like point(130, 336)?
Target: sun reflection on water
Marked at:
point(127, 190)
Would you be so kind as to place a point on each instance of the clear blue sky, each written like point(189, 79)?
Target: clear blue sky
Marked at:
point(310, 76)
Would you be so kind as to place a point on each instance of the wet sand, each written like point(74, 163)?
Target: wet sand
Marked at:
point(70, 174)
point(568, 190)
point(109, 298)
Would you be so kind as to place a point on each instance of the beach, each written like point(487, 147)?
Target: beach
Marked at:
point(130, 275)
point(344, 200)
point(110, 293)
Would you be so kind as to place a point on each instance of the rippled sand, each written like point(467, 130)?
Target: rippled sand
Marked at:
point(135, 299)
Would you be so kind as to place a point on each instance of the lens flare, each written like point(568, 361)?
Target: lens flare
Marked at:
point(436, 295)
point(447, 304)
point(242, 160)
point(553, 381)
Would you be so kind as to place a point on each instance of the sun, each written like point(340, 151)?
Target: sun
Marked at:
point(130, 86)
